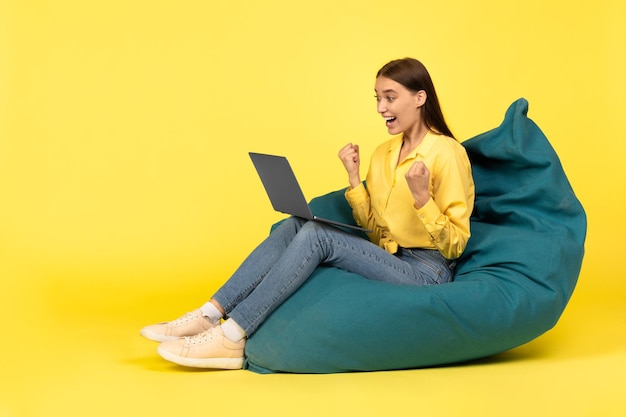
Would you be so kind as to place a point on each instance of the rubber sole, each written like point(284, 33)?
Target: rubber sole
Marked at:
point(209, 363)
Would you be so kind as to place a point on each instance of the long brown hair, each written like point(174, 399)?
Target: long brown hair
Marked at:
point(412, 74)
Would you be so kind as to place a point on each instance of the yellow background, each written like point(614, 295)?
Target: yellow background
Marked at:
point(127, 196)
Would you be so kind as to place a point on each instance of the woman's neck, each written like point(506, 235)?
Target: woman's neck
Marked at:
point(414, 136)
point(411, 139)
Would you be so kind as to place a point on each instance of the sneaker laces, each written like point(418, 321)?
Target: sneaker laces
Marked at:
point(200, 338)
point(191, 316)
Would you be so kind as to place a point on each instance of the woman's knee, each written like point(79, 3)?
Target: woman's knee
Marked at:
point(315, 228)
point(292, 223)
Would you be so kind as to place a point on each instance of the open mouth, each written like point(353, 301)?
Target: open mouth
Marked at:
point(389, 120)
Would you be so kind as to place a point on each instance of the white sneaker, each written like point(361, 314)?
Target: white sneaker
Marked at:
point(209, 349)
point(188, 325)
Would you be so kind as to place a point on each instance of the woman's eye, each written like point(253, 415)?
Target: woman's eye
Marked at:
point(388, 98)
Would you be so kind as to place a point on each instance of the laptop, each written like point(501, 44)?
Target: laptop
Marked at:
point(284, 191)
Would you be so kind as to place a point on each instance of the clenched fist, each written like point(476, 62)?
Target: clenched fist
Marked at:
point(418, 179)
point(349, 155)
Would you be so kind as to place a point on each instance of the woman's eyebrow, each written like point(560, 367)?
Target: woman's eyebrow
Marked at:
point(389, 90)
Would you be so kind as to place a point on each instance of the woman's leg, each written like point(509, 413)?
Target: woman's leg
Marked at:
point(243, 281)
point(317, 244)
point(256, 266)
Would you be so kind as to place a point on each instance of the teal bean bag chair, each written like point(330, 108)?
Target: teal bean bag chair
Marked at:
point(511, 284)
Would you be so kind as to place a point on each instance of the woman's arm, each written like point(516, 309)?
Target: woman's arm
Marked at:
point(446, 214)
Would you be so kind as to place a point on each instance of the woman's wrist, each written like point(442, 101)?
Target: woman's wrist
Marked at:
point(354, 181)
point(421, 200)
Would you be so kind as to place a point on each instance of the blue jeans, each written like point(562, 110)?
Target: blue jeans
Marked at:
point(290, 254)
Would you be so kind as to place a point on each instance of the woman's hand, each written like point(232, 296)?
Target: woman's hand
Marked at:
point(418, 178)
point(349, 155)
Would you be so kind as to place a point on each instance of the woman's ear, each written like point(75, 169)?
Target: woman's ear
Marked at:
point(420, 98)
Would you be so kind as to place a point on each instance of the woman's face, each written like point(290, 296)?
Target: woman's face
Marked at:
point(400, 106)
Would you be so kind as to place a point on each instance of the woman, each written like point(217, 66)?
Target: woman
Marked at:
point(417, 203)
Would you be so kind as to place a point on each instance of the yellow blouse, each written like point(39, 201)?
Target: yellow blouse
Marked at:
point(387, 206)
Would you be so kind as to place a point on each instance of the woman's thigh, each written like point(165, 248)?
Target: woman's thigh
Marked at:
point(356, 254)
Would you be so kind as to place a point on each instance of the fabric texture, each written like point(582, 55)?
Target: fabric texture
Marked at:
point(511, 285)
